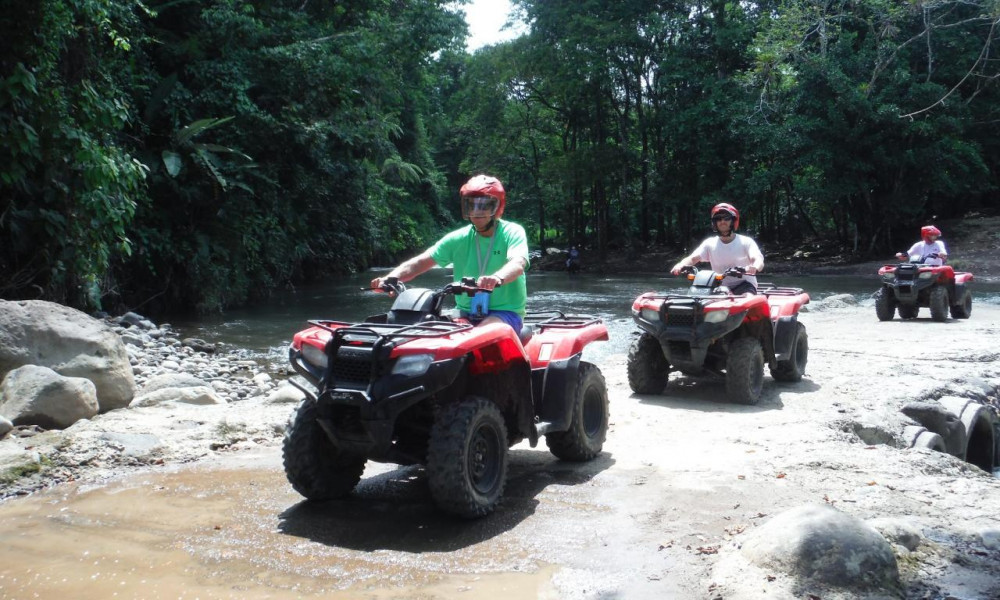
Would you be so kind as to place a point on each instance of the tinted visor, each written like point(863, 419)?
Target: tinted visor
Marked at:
point(479, 206)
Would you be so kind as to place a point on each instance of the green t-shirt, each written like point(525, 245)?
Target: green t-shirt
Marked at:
point(458, 248)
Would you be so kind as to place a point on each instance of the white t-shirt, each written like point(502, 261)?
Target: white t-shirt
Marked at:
point(739, 252)
point(921, 249)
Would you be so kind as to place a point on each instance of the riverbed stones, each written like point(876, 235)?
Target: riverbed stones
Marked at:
point(33, 395)
point(201, 394)
point(820, 545)
point(71, 343)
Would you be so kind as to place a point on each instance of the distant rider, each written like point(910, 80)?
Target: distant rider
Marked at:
point(491, 250)
point(726, 250)
point(574, 255)
point(924, 250)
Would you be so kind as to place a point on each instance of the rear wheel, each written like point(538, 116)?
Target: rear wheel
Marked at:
point(885, 304)
point(467, 458)
point(962, 310)
point(745, 371)
point(795, 367)
point(648, 369)
point(908, 311)
point(313, 465)
point(588, 426)
point(938, 302)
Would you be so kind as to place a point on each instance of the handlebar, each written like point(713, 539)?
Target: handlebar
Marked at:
point(394, 287)
point(737, 272)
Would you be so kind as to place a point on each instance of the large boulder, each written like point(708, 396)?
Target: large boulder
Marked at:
point(71, 343)
point(33, 395)
point(820, 545)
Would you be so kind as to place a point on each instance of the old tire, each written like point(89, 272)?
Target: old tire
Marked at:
point(745, 371)
point(885, 304)
point(908, 311)
point(588, 426)
point(795, 367)
point(962, 310)
point(648, 369)
point(467, 458)
point(938, 302)
point(313, 465)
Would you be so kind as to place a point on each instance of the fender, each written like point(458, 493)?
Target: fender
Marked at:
point(555, 385)
point(784, 337)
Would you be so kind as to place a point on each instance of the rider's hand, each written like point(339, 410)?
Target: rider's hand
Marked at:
point(488, 282)
point(377, 284)
point(751, 270)
point(677, 269)
point(901, 256)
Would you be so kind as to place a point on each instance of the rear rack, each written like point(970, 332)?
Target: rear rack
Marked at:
point(769, 289)
point(556, 319)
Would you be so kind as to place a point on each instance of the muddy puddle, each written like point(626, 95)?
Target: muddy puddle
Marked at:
point(241, 532)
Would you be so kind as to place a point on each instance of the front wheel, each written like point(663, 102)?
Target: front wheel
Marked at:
point(588, 425)
point(962, 310)
point(467, 458)
point(938, 302)
point(313, 465)
point(745, 371)
point(648, 369)
point(795, 367)
point(885, 304)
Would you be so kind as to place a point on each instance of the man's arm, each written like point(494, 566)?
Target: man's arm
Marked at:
point(756, 259)
point(408, 270)
point(511, 270)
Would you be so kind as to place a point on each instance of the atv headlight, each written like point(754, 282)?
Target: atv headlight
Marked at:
point(315, 356)
point(412, 365)
point(650, 314)
point(926, 275)
point(716, 316)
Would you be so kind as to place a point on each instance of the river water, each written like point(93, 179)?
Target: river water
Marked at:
point(263, 332)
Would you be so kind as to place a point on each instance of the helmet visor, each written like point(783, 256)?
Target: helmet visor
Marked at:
point(479, 206)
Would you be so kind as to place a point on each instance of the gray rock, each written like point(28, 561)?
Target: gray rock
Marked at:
point(71, 343)
point(171, 380)
point(185, 395)
point(5, 426)
point(33, 395)
point(285, 394)
point(821, 545)
point(198, 345)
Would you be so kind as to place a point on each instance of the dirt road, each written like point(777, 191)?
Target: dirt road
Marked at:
point(683, 477)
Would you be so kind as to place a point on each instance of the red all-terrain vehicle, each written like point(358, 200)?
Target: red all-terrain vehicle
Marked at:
point(709, 329)
point(909, 285)
point(418, 385)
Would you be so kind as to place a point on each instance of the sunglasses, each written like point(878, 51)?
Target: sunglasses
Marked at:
point(720, 218)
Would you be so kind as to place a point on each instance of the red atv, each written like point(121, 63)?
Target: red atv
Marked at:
point(710, 329)
point(418, 385)
point(909, 285)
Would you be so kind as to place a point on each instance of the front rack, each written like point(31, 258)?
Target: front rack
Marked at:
point(427, 329)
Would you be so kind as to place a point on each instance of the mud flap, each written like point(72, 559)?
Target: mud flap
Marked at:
point(784, 337)
point(558, 392)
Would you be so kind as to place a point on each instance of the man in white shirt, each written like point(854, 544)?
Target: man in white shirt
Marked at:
point(929, 251)
point(728, 249)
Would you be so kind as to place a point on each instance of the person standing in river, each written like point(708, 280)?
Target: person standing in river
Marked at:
point(491, 250)
point(728, 249)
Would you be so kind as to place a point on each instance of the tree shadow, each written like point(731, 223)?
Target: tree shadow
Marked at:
point(394, 510)
point(707, 393)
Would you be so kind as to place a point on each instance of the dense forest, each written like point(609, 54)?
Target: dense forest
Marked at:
point(196, 154)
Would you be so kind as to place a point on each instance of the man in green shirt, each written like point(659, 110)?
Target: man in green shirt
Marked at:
point(491, 250)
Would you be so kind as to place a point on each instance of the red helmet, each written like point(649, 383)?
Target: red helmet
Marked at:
point(928, 230)
point(480, 186)
point(730, 210)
